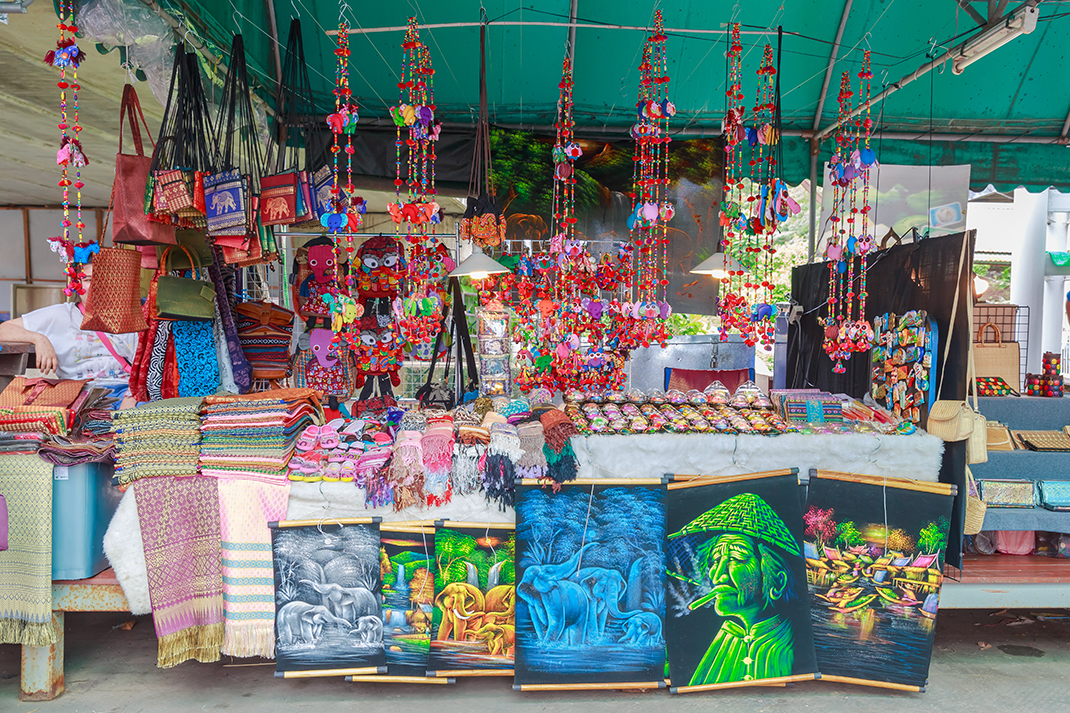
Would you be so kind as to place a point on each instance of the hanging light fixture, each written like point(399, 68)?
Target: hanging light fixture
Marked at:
point(478, 266)
point(719, 266)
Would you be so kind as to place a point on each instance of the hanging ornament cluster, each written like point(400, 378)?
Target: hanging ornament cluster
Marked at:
point(71, 246)
point(566, 330)
point(847, 331)
point(415, 206)
point(756, 200)
point(652, 210)
point(346, 208)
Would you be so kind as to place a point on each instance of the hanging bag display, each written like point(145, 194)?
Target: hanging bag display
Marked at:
point(174, 193)
point(130, 224)
point(439, 393)
point(997, 359)
point(182, 298)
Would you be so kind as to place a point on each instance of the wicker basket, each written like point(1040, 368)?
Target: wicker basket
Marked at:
point(975, 507)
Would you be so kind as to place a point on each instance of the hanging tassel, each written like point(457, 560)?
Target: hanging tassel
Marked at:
point(437, 446)
point(499, 480)
point(407, 470)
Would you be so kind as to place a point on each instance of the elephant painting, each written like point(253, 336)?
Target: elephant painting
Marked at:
point(300, 621)
point(350, 603)
point(223, 201)
point(500, 605)
point(605, 587)
point(462, 606)
point(369, 630)
point(642, 629)
point(276, 208)
point(500, 639)
point(558, 606)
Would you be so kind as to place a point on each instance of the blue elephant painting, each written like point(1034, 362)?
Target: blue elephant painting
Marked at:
point(590, 592)
point(328, 597)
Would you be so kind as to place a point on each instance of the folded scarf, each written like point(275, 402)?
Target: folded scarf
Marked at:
point(482, 405)
point(437, 447)
point(558, 430)
point(179, 520)
point(407, 473)
point(245, 509)
point(533, 460)
point(499, 477)
point(492, 417)
point(26, 566)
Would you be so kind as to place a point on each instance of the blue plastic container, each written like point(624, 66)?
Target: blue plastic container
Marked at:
point(83, 502)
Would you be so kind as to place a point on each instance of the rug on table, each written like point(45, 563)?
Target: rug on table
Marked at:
point(26, 566)
point(180, 529)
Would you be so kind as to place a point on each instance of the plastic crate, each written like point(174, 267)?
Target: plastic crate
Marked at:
point(83, 502)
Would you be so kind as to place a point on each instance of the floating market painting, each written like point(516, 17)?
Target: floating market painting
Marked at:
point(874, 563)
point(328, 616)
point(475, 600)
point(590, 585)
point(407, 567)
point(738, 609)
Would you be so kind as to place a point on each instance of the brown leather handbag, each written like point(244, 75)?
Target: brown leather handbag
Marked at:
point(130, 225)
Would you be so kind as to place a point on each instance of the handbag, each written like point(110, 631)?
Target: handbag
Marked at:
point(116, 309)
point(265, 331)
point(999, 493)
point(998, 358)
point(41, 392)
point(439, 393)
point(975, 507)
point(130, 224)
point(994, 386)
point(1055, 495)
point(182, 298)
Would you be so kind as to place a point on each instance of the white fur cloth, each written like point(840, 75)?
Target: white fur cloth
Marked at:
point(314, 501)
point(126, 553)
point(653, 455)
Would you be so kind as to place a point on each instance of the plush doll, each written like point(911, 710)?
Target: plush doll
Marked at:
point(382, 264)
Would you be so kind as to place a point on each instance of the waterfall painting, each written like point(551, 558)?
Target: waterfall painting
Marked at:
point(475, 600)
point(590, 585)
point(407, 566)
point(738, 605)
point(874, 552)
point(328, 616)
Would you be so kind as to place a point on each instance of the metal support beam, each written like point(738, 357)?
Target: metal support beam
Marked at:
point(833, 56)
point(42, 667)
point(1066, 128)
point(273, 28)
point(977, 17)
point(916, 74)
point(811, 249)
point(26, 245)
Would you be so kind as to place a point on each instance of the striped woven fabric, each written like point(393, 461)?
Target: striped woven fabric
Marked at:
point(157, 439)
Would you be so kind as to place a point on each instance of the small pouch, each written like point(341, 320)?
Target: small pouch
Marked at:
point(1055, 495)
point(1008, 493)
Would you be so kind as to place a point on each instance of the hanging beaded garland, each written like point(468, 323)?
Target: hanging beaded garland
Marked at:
point(428, 260)
point(753, 209)
point(640, 317)
point(846, 329)
point(70, 157)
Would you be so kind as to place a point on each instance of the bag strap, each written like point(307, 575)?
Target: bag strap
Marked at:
point(464, 341)
point(194, 261)
point(106, 341)
point(132, 104)
point(984, 328)
point(425, 390)
point(954, 313)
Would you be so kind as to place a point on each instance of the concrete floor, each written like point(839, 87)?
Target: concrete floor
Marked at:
point(111, 670)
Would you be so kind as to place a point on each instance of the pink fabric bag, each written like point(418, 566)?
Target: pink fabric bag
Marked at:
point(1015, 542)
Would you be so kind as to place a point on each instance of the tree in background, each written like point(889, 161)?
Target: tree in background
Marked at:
point(847, 535)
point(820, 525)
point(900, 541)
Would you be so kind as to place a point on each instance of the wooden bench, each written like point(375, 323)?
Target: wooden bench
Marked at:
point(42, 666)
point(1007, 581)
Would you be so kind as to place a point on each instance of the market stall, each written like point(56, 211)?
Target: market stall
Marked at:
point(394, 436)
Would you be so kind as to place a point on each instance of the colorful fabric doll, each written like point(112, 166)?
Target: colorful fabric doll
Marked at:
point(320, 261)
point(381, 266)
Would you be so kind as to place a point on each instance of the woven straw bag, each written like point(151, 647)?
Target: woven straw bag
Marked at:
point(975, 507)
point(997, 358)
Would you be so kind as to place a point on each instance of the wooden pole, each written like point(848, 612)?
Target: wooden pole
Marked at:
point(901, 483)
point(26, 245)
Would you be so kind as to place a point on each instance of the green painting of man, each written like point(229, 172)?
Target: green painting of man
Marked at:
point(745, 562)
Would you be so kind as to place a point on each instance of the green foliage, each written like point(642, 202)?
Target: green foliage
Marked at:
point(847, 535)
point(933, 537)
point(684, 324)
point(455, 550)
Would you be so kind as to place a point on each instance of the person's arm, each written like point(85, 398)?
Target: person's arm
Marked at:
point(14, 331)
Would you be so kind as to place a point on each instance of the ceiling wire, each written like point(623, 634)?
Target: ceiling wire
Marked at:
point(442, 54)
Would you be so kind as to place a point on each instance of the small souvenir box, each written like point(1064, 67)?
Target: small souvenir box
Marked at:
point(1055, 494)
point(813, 408)
point(1052, 364)
point(1008, 493)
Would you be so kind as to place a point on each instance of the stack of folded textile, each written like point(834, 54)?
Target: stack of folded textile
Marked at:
point(246, 445)
point(20, 443)
point(158, 438)
point(63, 451)
point(254, 435)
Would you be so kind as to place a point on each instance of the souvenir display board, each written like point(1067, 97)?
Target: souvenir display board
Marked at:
point(474, 631)
point(590, 584)
point(874, 552)
point(328, 599)
point(407, 567)
point(904, 363)
point(738, 605)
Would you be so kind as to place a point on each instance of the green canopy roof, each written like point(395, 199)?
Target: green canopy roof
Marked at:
point(1019, 91)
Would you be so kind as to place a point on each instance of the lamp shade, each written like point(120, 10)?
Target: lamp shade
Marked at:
point(717, 265)
point(478, 265)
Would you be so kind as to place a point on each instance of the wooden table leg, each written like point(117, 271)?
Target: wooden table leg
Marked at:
point(42, 667)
